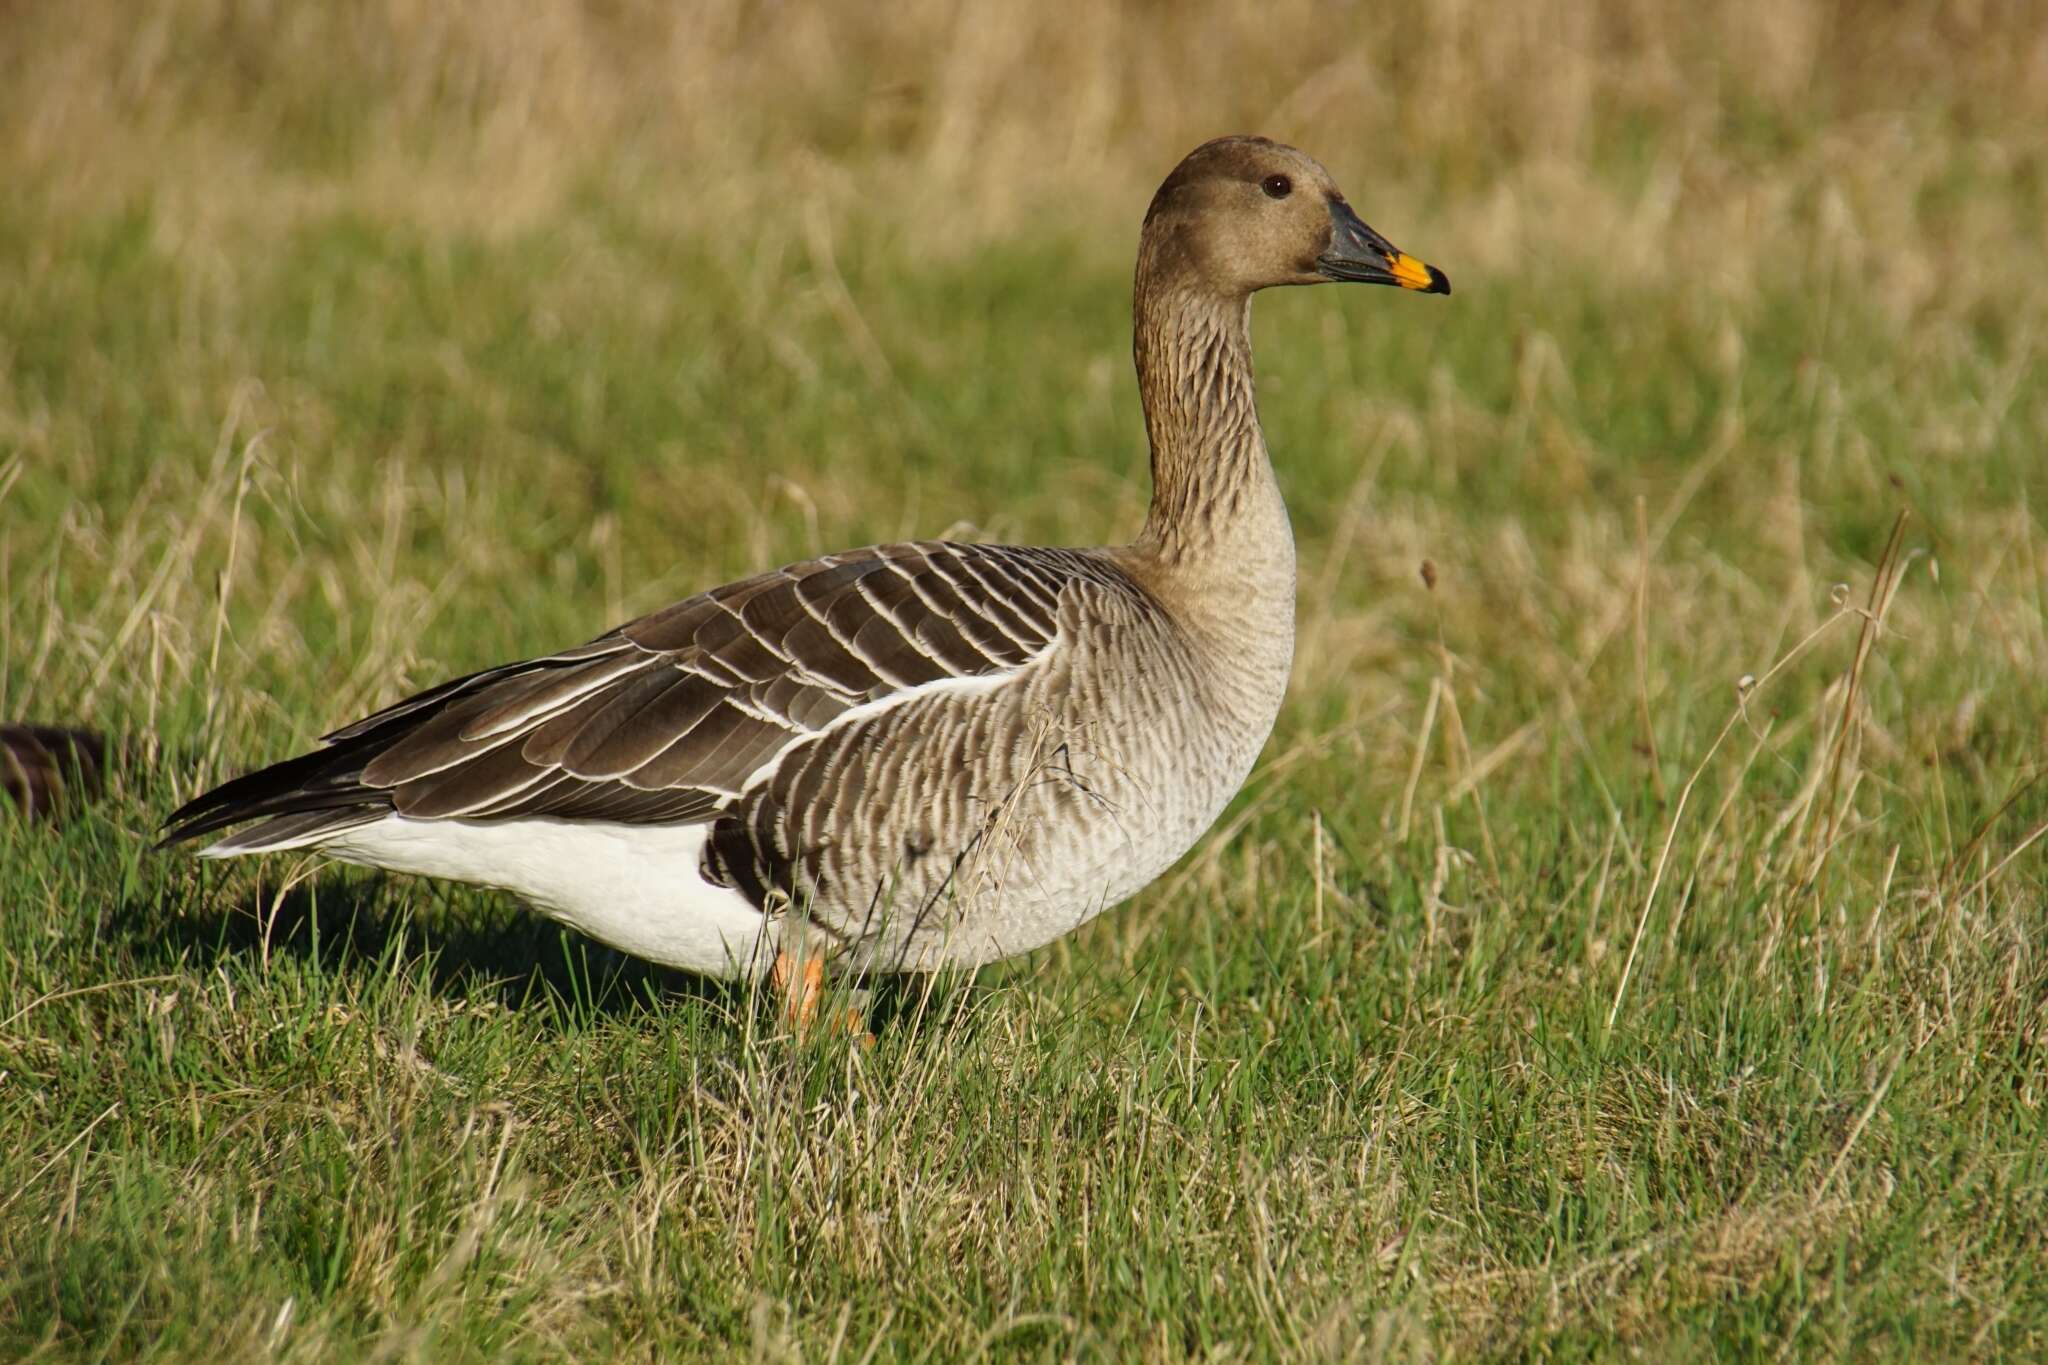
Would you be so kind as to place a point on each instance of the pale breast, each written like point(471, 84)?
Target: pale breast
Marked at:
point(961, 829)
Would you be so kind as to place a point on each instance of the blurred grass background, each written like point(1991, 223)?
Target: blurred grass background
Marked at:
point(1541, 1001)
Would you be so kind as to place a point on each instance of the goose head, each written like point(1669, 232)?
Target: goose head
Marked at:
point(1246, 213)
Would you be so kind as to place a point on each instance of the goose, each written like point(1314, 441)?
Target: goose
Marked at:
point(49, 771)
point(903, 757)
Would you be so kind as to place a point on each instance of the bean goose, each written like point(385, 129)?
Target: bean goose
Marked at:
point(904, 756)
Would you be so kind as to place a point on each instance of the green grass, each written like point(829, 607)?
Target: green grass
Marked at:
point(1530, 1007)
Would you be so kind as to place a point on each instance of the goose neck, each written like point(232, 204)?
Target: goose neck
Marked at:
point(1212, 482)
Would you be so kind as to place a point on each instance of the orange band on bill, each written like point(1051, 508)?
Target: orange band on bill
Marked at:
point(1409, 272)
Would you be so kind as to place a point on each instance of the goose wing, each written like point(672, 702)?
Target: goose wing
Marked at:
point(668, 718)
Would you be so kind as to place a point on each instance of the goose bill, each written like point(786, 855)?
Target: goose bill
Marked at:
point(1356, 253)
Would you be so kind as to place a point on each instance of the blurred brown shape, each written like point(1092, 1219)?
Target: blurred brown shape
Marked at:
point(47, 770)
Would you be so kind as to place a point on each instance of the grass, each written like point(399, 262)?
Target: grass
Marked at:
point(1550, 990)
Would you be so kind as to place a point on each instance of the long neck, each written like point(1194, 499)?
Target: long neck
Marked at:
point(1213, 491)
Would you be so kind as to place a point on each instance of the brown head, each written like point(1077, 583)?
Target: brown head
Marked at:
point(1246, 213)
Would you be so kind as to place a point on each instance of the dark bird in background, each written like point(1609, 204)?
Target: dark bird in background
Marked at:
point(50, 771)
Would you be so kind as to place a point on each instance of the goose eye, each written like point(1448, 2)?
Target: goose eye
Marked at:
point(1277, 186)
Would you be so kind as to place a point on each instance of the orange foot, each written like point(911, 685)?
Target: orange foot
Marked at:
point(802, 989)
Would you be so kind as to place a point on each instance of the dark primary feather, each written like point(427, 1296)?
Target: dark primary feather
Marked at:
point(665, 718)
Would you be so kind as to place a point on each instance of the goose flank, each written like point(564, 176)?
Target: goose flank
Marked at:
point(904, 756)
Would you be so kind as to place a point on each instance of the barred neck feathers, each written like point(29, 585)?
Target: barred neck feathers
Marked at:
point(1212, 483)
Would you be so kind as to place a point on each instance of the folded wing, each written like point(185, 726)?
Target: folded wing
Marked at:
point(668, 718)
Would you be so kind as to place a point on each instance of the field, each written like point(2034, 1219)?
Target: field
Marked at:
point(1632, 944)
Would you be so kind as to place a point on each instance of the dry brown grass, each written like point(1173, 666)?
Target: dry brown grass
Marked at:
point(1731, 125)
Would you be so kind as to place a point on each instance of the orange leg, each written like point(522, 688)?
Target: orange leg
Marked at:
point(802, 988)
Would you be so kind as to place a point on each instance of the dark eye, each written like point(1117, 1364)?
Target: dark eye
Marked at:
point(1277, 186)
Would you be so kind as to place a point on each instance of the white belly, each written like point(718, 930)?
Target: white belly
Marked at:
point(636, 887)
